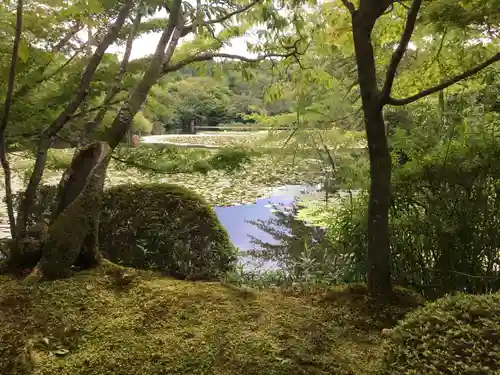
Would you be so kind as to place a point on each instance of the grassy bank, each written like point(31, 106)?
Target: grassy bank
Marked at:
point(102, 322)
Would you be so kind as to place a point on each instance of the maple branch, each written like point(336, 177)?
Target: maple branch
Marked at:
point(167, 68)
point(350, 6)
point(189, 28)
point(400, 51)
point(465, 75)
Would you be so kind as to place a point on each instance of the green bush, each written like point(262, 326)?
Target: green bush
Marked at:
point(160, 227)
point(444, 220)
point(229, 159)
point(59, 159)
point(166, 228)
point(456, 335)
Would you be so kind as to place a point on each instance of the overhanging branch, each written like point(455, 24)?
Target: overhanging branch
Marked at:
point(349, 6)
point(210, 56)
point(189, 28)
point(451, 81)
point(400, 51)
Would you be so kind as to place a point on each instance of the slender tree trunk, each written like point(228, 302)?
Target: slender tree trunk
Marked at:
point(94, 124)
point(123, 120)
point(378, 259)
point(46, 140)
point(5, 119)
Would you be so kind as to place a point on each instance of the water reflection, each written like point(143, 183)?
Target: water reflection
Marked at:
point(267, 226)
point(236, 219)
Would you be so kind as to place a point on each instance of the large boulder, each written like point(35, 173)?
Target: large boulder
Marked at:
point(158, 227)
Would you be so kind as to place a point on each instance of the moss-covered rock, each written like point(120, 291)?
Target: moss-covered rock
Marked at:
point(166, 228)
point(160, 227)
point(94, 323)
point(457, 335)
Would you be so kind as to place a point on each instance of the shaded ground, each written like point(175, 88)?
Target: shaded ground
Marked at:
point(95, 324)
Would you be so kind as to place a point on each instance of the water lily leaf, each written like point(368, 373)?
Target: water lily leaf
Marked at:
point(61, 352)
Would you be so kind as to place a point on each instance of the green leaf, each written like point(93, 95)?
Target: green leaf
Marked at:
point(95, 6)
point(61, 352)
point(24, 50)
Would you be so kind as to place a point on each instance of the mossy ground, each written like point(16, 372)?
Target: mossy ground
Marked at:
point(94, 324)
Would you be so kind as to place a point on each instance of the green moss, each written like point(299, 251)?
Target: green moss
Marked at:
point(156, 326)
point(457, 335)
point(166, 228)
point(162, 227)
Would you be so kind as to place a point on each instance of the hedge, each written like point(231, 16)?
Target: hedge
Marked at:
point(457, 335)
point(159, 227)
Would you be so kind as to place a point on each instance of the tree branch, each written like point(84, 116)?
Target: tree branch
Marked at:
point(167, 68)
point(115, 89)
point(350, 6)
point(445, 84)
point(48, 134)
point(5, 118)
point(189, 28)
point(400, 51)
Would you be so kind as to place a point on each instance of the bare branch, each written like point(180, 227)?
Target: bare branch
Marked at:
point(210, 56)
point(189, 28)
point(400, 51)
point(350, 6)
point(451, 81)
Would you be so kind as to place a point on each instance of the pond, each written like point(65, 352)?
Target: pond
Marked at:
point(237, 219)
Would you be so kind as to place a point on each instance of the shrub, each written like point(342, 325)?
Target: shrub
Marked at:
point(160, 227)
point(457, 335)
point(229, 159)
point(164, 227)
point(443, 222)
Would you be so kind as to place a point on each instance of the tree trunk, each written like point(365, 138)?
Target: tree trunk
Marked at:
point(48, 134)
point(115, 89)
point(71, 238)
point(378, 259)
point(5, 119)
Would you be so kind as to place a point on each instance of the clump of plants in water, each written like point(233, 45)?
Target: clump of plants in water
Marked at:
point(171, 159)
point(229, 159)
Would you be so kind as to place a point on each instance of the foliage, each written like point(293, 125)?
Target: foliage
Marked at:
point(229, 159)
point(141, 124)
point(455, 335)
point(160, 227)
point(166, 228)
point(443, 222)
point(59, 159)
point(93, 323)
point(301, 253)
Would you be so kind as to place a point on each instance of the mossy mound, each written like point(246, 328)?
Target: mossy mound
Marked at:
point(115, 321)
point(457, 335)
point(166, 228)
point(160, 227)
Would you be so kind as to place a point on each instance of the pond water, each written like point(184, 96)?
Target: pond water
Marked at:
point(236, 220)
